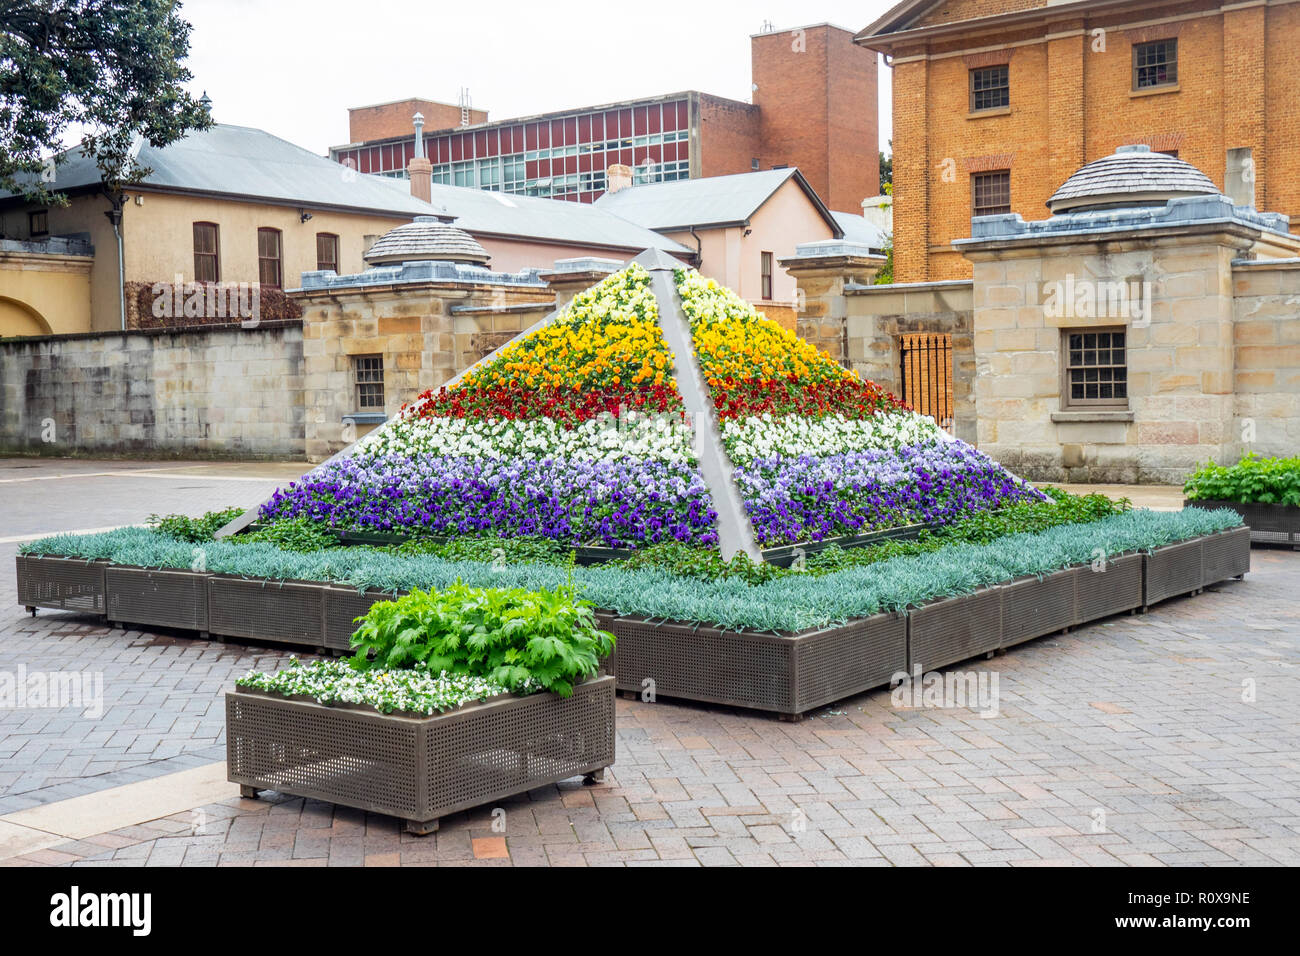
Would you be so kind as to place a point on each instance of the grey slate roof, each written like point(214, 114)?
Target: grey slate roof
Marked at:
point(424, 239)
point(1131, 173)
point(861, 230)
point(709, 202)
point(242, 162)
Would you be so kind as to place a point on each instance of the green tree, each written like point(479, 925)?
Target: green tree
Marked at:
point(110, 70)
point(887, 167)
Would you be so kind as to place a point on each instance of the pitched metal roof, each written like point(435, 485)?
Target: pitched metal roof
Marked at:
point(708, 203)
point(240, 162)
point(1131, 175)
point(861, 230)
point(425, 239)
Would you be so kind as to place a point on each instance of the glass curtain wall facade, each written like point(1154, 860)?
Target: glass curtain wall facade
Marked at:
point(559, 157)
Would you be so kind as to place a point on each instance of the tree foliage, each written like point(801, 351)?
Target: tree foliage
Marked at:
point(111, 70)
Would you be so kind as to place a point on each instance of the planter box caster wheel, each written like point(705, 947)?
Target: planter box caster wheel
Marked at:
point(247, 792)
point(628, 694)
point(790, 718)
point(421, 827)
point(593, 778)
point(32, 610)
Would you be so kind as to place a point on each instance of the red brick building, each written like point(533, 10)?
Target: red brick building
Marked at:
point(814, 107)
point(998, 102)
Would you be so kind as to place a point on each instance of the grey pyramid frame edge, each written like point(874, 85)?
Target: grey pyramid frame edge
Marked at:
point(735, 532)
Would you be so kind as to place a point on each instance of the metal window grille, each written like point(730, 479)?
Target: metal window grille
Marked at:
point(368, 371)
point(991, 193)
point(1096, 367)
point(990, 88)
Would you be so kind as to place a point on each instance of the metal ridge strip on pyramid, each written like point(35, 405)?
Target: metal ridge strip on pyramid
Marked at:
point(735, 533)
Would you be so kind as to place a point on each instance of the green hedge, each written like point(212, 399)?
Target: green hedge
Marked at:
point(1274, 481)
point(788, 603)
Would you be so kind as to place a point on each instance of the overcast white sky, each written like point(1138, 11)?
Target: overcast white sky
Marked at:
point(293, 67)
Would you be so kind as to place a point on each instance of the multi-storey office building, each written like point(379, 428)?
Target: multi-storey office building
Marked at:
point(814, 107)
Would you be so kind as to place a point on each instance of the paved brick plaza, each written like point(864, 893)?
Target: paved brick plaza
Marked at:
point(1129, 741)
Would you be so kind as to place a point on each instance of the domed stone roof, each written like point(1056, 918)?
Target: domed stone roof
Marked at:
point(426, 238)
point(1131, 176)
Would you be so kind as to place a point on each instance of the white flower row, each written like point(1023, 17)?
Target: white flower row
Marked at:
point(764, 436)
point(638, 436)
point(417, 691)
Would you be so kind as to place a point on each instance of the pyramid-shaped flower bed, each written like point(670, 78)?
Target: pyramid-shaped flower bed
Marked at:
point(577, 432)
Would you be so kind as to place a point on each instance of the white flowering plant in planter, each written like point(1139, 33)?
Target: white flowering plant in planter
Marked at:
point(415, 690)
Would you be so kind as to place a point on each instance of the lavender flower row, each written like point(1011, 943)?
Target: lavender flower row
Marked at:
point(812, 498)
point(617, 503)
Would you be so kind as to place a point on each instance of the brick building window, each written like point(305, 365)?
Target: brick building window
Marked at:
point(207, 256)
point(765, 270)
point(1155, 64)
point(38, 223)
point(327, 251)
point(1096, 368)
point(368, 374)
point(269, 254)
point(991, 193)
point(990, 88)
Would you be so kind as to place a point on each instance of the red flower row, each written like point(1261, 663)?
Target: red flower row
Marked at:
point(850, 397)
point(566, 405)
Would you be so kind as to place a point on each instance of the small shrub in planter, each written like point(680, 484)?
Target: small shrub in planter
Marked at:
point(526, 640)
point(1252, 480)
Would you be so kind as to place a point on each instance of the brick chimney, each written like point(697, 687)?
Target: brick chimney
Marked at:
point(617, 177)
point(419, 168)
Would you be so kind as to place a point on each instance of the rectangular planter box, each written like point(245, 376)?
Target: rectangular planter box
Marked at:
point(1033, 607)
point(1115, 589)
point(1268, 524)
point(1225, 555)
point(786, 673)
point(289, 612)
point(1172, 570)
point(949, 630)
point(161, 598)
point(418, 768)
point(342, 607)
point(65, 584)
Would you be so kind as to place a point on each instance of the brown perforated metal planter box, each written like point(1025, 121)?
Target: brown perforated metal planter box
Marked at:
point(291, 612)
point(65, 584)
point(786, 673)
point(1268, 523)
point(342, 607)
point(418, 768)
point(1225, 555)
point(163, 598)
point(1115, 587)
point(947, 630)
point(1172, 570)
point(1033, 606)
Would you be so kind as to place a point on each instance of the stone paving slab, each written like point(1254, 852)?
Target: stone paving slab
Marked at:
point(1155, 740)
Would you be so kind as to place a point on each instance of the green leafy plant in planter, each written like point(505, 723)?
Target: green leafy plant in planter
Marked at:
point(292, 534)
point(194, 530)
point(523, 640)
point(1252, 480)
